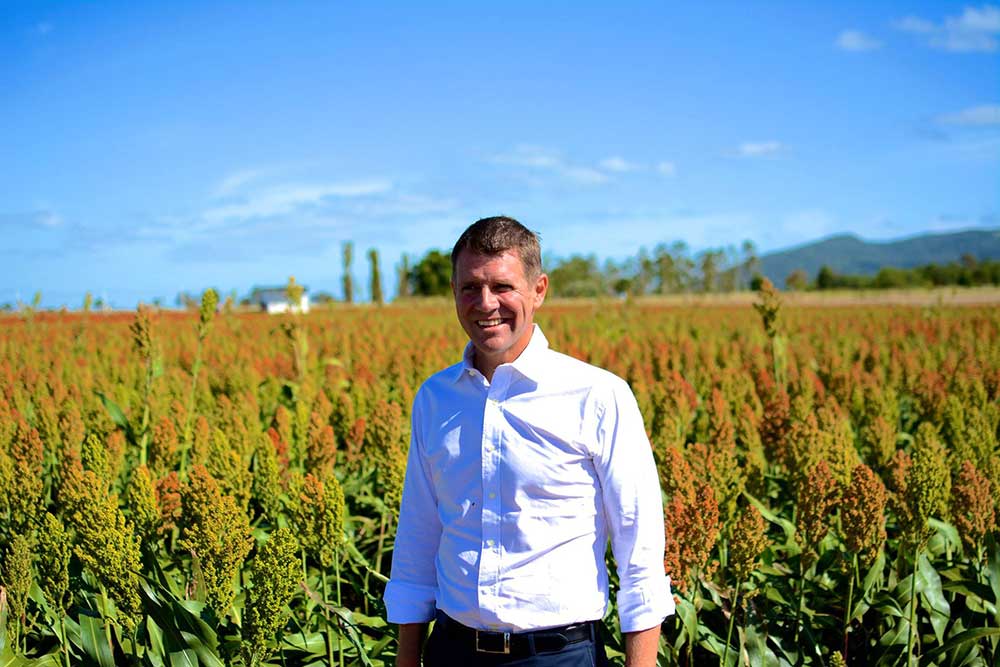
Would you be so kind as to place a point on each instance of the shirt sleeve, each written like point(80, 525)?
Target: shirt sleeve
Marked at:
point(633, 508)
point(411, 593)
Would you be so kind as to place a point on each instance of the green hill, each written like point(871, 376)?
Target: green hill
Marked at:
point(848, 254)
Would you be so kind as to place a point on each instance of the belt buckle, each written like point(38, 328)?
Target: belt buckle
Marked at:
point(506, 643)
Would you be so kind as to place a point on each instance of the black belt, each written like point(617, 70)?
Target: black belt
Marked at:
point(515, 643)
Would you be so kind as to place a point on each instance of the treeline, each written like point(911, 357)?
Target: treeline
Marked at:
point(970, 272)
point(667, 269)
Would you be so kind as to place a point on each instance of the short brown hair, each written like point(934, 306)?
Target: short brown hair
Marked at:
point(498, 234)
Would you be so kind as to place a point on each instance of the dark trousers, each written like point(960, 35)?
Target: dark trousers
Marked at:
point(446, 648)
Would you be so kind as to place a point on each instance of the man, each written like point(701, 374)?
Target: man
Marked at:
point(522, 463)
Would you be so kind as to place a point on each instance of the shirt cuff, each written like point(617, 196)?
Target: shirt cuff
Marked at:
point(409, 603)
point(645, 607)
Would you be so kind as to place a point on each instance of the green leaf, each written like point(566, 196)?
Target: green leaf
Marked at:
point(183, 658)
point(756, 651)
point(114, 411)
point(970, 589)
point(94, 642)
point(689, 618)
point(156, 650)
point(314, 643)
point(181, 625)
point(993, 567)
point(929, 588)
point(958, 640)
point(786, 526)
point(874, 576)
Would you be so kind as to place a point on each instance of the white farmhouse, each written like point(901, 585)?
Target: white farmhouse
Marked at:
point(275, 300)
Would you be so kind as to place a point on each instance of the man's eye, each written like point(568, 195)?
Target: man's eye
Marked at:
point(503, 288)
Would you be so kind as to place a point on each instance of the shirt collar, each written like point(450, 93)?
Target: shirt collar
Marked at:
point(528, 363)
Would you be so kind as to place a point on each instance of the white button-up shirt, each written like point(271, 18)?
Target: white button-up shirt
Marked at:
point(512, 490)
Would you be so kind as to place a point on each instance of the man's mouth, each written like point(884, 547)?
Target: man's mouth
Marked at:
point(485, 324)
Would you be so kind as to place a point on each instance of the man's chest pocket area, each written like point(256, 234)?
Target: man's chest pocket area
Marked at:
point(455, 468)
point(548, 478)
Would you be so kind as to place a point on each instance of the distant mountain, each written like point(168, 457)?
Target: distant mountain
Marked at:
point(848, 254)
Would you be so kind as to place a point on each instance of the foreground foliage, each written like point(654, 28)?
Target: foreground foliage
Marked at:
point(222, 489)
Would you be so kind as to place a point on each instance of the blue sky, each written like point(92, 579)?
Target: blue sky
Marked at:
point(148, 148)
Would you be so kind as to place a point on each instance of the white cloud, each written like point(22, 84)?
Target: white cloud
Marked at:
point(618, 164)
point(584, 175)
point(667, 168)
point(405, 205)
point(525, 155)
point(915, 25)
point(760, 148)
point(980, 116)
point(976, 29)
point(284, 199)
point(42, 28)
point(854, 40)
point(236, 180)
point(43, 217)
point(49, 219)
point(537, 158)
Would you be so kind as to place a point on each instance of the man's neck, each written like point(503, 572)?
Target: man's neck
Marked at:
point(488, 365)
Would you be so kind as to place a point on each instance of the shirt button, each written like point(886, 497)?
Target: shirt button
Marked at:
point(493, 495)
point(489, 543)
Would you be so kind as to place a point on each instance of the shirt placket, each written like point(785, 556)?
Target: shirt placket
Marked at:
point(492, 451)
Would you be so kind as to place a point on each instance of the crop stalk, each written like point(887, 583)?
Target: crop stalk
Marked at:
point(850, 601)
point(326, 613)
point(732, 619)
point(65, 640)
point(798, 606)
point(913, 608)
point(336, 573)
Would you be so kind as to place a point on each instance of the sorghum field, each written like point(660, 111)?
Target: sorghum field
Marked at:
point(221, 488)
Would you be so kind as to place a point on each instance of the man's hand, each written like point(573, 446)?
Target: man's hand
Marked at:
point(411, 642)
point(641, 647)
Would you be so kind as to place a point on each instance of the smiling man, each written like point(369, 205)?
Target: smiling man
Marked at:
point(523, 463)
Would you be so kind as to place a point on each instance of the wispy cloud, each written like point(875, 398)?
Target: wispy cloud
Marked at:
point(666, 168)
point(287, 198)
point(585, 175)
point(856, 41)
point(233, 182)
point(41, 29)
point(40, 219)
point(980, 116)
point(526, 155)
point(538, 158)
point(760, 148)
point(619, 165)
point(976, 29)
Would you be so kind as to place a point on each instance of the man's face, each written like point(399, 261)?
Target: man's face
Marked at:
point(496, 303)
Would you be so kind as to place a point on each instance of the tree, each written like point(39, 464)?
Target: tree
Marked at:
point(184, 300)
point(710, 260)
point(577, 276)
point(403, 277)
point(432, 275)
point(825, 279)
point(322, 298)
point(376, 277)
point(751, 263)
point(797, 281)
point(644, 271)
point(348, 282)
point(666, 270)
point(88, 301)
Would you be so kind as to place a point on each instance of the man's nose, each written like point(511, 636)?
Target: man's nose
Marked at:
point(487, 299)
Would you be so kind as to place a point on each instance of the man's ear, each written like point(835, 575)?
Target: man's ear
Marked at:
point(541, 288)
